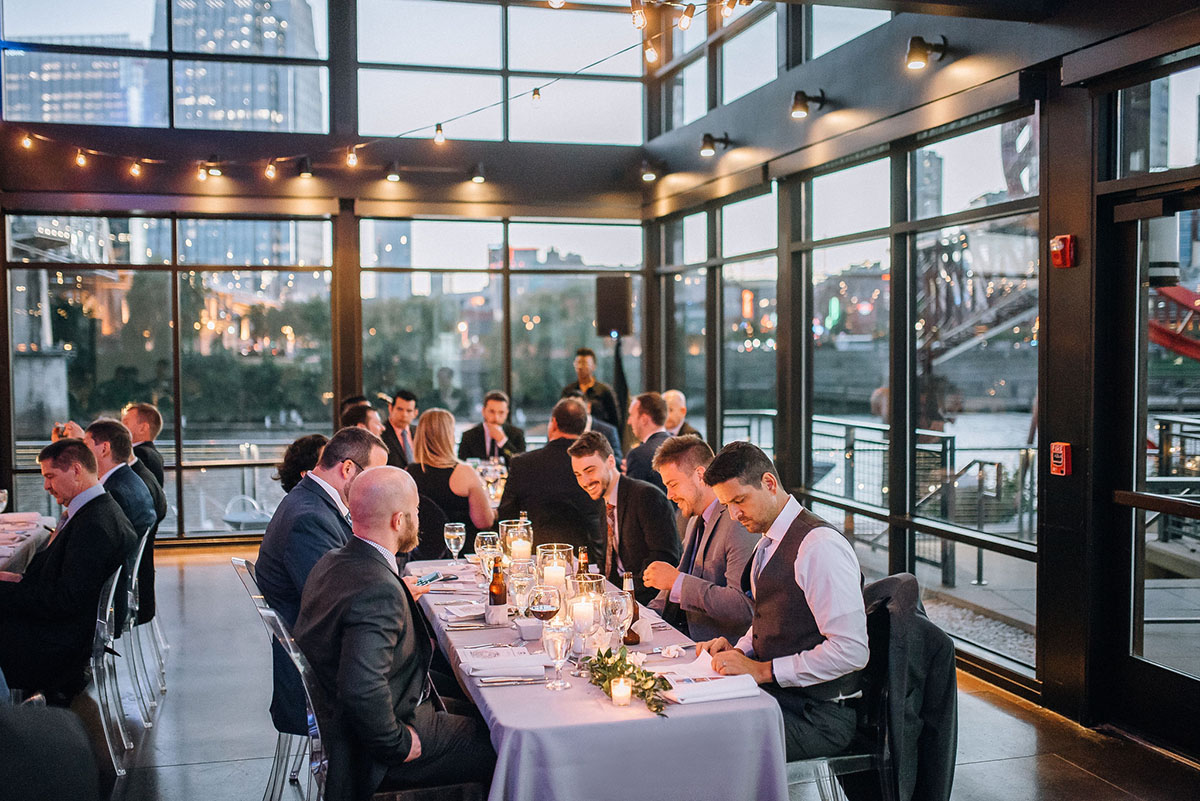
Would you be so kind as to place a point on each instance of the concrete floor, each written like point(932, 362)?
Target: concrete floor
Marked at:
point(212, 738)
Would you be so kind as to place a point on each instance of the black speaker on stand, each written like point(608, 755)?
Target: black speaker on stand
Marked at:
point(614, 305)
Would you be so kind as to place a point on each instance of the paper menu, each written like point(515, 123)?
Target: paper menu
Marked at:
point(699, 669)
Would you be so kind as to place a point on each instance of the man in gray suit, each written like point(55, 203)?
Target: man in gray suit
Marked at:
point(706, 586)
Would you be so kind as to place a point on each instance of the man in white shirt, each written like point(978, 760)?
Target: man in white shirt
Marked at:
point(807, 642)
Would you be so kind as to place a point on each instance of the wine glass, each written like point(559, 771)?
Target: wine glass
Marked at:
point(615, 609)
point(556, 639)
point(627, 615)
point(455, 535)
point(544, 601)
point(521, 574)
point(488, 554)
point(486, 539)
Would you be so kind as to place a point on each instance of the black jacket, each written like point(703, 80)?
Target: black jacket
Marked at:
point(370, 649)
point(146, 452)
point(602, 399)
point(473, 444)
point(639, 461)
point(645, 533)
point(542, 483)
point(396, 456)
point(48, 619)
point(146, 601)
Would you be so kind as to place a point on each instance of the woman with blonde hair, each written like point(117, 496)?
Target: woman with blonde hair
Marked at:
point(443, 479)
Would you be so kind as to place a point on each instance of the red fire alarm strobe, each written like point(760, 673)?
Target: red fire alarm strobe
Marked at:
point(1062, 251)
point(1060, 458)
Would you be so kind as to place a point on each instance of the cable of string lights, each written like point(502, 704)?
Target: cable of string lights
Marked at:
point(215, 167)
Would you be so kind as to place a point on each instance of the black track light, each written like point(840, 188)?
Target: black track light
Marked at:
point(708, 144)
point(803, 101)
point(920, 52)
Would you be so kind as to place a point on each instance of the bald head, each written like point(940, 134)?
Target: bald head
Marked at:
point(676, 408)
point(383, 506)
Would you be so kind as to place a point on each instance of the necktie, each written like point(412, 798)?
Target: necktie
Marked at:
point(493, 452)
point(407, 443)
point(760, 560)
point(610, 561)
point(689, 556)
point(62, 521)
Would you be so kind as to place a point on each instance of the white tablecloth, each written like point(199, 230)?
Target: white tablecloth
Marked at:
point(575, 744)
point(15, 557)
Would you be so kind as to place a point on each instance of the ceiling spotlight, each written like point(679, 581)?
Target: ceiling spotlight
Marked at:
point(801, 101)
point(271, 171)
point(537, 94)
point(557, 3)
point(919, 52)
point(651, 53)
point(438, 136)
point(304, 168)
point(26, 141)
point(649, 172)
point(351, 157)
point(708, 144)
point(213, 166)
point(638, 13)
point(135, 169)
point(477, 176)
point(685, 19)
point(80, 158)
point(201, 172)
point(393, 172)
point(727, 8)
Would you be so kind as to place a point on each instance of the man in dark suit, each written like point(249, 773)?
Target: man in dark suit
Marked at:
point(677, 424)
point(494, 438)
point(363, 416)
point(647, 413)
point(309, 521)
point(48, 614)
point(599, 396)
point(704, 593)
point(370, 649)
point(145, 424)
point(147, 606)
point(594, 424)
point(540, 482)
point(640, 522)
point(399, 430)
point(807, 643)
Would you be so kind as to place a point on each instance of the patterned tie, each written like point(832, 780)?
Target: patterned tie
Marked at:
point(610, 552)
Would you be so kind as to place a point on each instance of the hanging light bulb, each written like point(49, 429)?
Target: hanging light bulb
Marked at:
point(26, 141)
point(438, 136)
point(271, 171)
point(80, 158)
point(351, 157)
point(639, 14)
point(393, 172)
point(202, 172)
point(537, 94)
point(685, 19)
point(727, 8)
point(135, 169)
point(651, 53)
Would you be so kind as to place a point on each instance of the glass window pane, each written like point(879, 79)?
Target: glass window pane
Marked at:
point(235, 500)
point(88, 240)
point(748, 383)
point(689, 93)
point(252, 243)
point(431, 243)
point(85, 89)
point(694, 36)
point(290, 29)
point(256, 361)
point(686, 367)
point(978, 169)
point(553, 40)
point(437, 34)
point(1000, 616)
point(235, 96)
point(977, 375)
point(851, 297)
point(417, 100)
point(552, 315)
point(870, 538)
point(687, 239)
point(735, 12)
point(1157, 125)
point(85, 343)
point(128, 24)
point(576, 111)
point(439, 335)
point(550, 246)
point(749, 59)
point(1164, 586)
point(854, 199)
point(750, 225)
point(833, 26)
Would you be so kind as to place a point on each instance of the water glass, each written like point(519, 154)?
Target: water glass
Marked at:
point(488, 554)
point(556, 639)
point(616, 612)
point(521, 575)
point(487, 539)
point(455, 535)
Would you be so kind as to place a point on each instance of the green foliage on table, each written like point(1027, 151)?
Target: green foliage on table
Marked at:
point(605, 666)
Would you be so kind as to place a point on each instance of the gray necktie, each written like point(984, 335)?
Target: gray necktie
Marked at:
point(760, 559)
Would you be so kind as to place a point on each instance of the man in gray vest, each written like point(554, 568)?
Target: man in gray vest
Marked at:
point(807, 642)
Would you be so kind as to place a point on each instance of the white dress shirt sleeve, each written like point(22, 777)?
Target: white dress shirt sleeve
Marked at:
point(827, 570)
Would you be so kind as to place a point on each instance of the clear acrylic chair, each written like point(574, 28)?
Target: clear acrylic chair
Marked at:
point(135, 652)
point(290, 749)
point(104, 676)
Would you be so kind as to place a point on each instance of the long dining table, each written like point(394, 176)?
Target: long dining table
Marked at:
point(20, 538)
point(576, 744)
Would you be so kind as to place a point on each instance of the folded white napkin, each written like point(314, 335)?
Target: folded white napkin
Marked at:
point(12, 538)
point(693, 691)
point(644, 628)
point(461, 611)
point(515, 661)
point(32, 518)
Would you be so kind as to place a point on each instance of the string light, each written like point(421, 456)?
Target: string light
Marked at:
point(271, 170)
point(80, 159)
point(438, 136)
point(685, 20)
point(135, 169)
point(638, 13)
point(651, 53)
point(393, 172)
point(537, 94)
point(26, 141)
point(727, 8)
point(351, 157)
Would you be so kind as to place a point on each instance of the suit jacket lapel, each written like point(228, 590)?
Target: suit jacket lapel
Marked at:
point(625, 517)
point(320, 492)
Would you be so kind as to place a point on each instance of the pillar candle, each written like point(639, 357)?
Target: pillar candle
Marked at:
point(521, 549)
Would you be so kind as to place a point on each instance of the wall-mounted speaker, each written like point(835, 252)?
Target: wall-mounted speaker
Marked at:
point(614, 305)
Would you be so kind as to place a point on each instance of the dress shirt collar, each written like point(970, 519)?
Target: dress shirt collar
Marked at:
point(337, 496)
point(141, 442)
point(674, 432)
point(610, 497)
point(80, 500)
point(711, 511)
point(655, 433)
point(104, 478)
point(791, 510)
point(387, 555)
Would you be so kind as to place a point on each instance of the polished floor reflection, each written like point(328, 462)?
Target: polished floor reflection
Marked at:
point(212, 738)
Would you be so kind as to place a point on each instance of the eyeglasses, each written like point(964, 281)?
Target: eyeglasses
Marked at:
point(356, 464)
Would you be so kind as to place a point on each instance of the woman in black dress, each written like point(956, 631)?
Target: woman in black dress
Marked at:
point(441, 477)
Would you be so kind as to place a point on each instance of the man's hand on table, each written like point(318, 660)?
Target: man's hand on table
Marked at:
point(660, 575)
point(414, 751)
point(416, 590)
point(7, 576)
point(729, 661)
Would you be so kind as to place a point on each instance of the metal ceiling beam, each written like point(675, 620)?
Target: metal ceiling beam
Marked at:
point(1014, 10)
